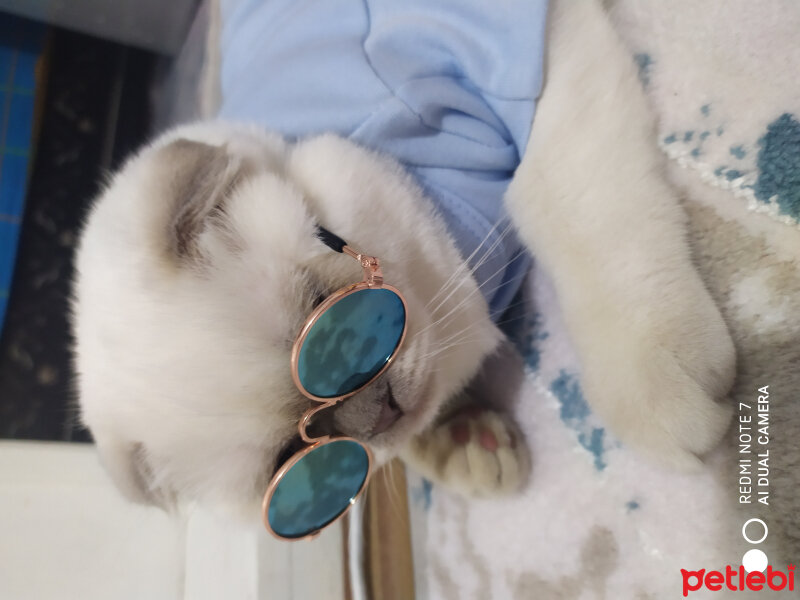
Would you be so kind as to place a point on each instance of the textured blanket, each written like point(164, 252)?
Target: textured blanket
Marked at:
point(597, 521)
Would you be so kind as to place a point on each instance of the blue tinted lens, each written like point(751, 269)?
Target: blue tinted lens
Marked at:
point(318, 488)
point(351, 342)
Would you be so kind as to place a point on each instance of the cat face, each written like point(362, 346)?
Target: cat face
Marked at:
point(197, 268)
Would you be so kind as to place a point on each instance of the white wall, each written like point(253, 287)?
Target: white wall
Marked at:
point(65, 532)
point(153, 24)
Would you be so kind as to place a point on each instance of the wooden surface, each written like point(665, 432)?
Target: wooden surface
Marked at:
point(389, 568)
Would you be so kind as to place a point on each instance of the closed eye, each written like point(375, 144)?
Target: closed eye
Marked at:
point(315, 289)
point(318, 300)
point(289, 449)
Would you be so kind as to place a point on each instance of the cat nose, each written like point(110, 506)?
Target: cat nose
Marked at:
point(369, 412)
point(390, 411)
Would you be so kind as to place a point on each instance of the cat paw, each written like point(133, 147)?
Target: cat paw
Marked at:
point(661, 382)
point(476, 452)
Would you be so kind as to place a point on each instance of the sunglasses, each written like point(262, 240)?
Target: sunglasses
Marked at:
point(346, 343)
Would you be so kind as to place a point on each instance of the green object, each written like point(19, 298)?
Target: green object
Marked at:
point(318, 488)
point(351, 342)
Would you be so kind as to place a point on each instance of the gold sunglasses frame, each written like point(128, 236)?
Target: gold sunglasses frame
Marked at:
point(373, 279)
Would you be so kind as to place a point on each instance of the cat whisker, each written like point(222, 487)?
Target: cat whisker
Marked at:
point(498, 323)
point(461, 267)
point(461, 337)
point(394, 492)
point(471, 294)
point(453, 344)
point(477, 289)
point(465, 263)
point(471, 271)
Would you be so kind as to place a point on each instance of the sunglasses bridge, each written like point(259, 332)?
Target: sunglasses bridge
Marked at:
point(306, 419)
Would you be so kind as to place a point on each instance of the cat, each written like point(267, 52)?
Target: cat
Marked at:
point(199, 263)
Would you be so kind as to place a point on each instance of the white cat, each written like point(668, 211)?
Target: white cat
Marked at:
point(199, 263)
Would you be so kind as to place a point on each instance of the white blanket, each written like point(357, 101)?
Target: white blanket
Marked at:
point(596, 520)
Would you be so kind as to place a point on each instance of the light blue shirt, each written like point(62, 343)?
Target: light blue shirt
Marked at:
point(447, 87)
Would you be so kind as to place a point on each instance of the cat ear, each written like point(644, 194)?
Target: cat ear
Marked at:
point(199, 177)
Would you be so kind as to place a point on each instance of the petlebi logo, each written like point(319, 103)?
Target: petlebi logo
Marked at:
point(738, 579)
point(755, 573)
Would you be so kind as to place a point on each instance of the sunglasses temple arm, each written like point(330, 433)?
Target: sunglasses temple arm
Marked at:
point(331, 240)
point(371, 265)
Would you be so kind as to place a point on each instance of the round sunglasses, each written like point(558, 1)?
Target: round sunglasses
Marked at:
point(346, 343)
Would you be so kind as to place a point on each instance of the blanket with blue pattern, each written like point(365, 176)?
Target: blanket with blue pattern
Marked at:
point(596, 520)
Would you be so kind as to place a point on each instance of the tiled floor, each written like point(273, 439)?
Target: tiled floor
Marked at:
point(95, 112)
point(21, 47)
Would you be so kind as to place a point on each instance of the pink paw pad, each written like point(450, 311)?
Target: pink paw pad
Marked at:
point(460, 432)
point(488, 440)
